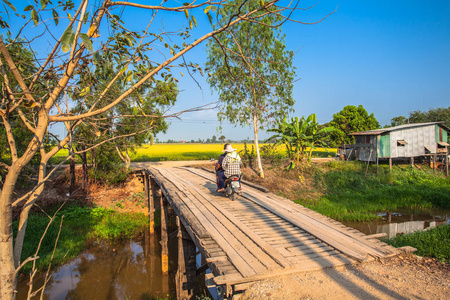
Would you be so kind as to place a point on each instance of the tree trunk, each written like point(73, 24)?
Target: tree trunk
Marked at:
point(85, 167)
point(258, 156)
point(23, 220)
point(72, 176)
point(7, 266)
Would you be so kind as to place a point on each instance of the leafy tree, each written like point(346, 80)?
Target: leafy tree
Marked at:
point(351, 119)
point(441, 114)
point(400, 120)
point(251, 69)
point(222, 138)
point(55, 91)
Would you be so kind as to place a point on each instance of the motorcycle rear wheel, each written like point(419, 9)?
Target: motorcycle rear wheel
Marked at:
point(233, 196)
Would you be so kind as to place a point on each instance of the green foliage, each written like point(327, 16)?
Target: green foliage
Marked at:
point(440, 114)
point(434, 242)
point(352, 195)
point(351, 119)
point(254, 77)
point(298, 135)
point(80, 224)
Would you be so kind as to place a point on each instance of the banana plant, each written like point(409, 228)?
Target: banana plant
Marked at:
point(298, 135)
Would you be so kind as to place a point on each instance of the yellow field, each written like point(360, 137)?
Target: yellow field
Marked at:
point(169, 152)
point(158, 152)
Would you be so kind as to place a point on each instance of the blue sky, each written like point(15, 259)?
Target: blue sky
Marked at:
point(390, 56)
point(393, 57)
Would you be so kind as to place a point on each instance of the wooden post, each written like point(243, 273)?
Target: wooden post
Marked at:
point(390, 163)
point(446, 162)
point(412, 161)
point(377, 165)
point(153, 199)
point(434, 162)
point(186, 272)
point(164, 238)
point(146, 189)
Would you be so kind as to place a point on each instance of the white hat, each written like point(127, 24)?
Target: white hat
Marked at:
point(229, 149)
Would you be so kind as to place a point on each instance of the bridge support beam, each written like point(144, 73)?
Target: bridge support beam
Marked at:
point(186, 272)
point(164, 237)
point(152, 200)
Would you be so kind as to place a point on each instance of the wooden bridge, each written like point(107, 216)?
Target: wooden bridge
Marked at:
point(255, 237)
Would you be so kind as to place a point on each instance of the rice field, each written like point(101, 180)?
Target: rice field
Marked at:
point(170, 152)
point(192, 151)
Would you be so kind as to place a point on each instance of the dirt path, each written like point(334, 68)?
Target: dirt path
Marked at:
point(403, 277)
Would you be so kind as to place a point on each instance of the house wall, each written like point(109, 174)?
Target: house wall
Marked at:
point(417, 138)
point(369, 152)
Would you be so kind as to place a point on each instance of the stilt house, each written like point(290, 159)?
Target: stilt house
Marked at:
point(404, 141)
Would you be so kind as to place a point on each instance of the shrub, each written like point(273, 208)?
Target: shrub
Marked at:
point(434, 242)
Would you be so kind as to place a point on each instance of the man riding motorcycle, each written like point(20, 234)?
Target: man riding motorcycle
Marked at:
point(231, 165)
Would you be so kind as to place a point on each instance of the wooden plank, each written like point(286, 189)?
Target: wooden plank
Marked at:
point(376, 235)
point(321, 263)
point(247, 270)
point(298, 244)
point(190, 222)
point(350, 247)
point(232, 246)
point(225, 240)
point(225, 229)
point(298, 210)
point(312, 257)
point(260, 249)
point(217, 259)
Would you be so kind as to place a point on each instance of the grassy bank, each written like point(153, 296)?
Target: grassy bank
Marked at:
point(80, 225)
point(348, 193)
point(431, 243)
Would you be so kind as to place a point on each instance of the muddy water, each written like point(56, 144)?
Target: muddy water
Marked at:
point(130, 270)
point(403, 222)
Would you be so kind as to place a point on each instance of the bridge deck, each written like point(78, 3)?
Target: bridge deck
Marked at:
point(260, 234)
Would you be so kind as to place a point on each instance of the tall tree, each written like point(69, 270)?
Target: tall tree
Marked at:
point(251, 69)
point(351, 119)
point(49, 93)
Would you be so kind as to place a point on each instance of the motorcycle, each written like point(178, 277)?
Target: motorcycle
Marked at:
point(233, 187)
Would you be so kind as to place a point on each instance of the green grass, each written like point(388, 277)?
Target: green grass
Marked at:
point(352, 195)
point(431, 243)
point(80, 225)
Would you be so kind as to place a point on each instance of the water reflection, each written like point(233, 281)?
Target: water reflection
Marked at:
point(129, 270)
point(402, 222)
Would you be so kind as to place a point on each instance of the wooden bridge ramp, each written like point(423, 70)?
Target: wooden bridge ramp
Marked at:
point(260, 234)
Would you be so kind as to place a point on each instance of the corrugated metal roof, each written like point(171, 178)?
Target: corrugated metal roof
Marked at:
point(389, 129)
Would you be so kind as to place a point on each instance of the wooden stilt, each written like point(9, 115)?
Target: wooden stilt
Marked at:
point(390, 163)
point(151, 204)
point(412, 161)
point(186, 272)
point(434, 162)
point(446, 162)
point(377, 165)
point(164, 238)
point(146, 190)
